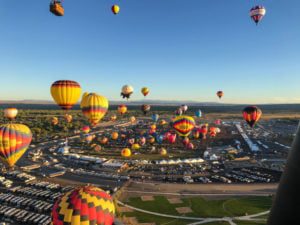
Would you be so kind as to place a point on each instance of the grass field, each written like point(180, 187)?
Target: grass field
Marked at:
point(201, 207)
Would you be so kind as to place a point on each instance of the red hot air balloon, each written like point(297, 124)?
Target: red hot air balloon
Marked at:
point(257, 13)
point(252, 115)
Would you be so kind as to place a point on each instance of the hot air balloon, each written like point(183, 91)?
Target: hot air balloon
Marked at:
point(66, 93)
point(126, 152)
point(252, 115)
point(104, 140)
point(151, 140)
point(184, 108)
point(145, 91)
point(54, 121)
point(83, 101)
point(68, 118)
point(10, 113)
point(114, 135)
point(85, 205)
point(155, 117)
point(178, 112)
point(220, 94)
point(127, 90)
point(95, 107)
point(56, 8)
point(190, 146)
point(163, 152)
point(172, 138)
point(162, 122)
point(136, 146)
point(131, 141)
point(145, 108)
point(89, 138)
point(142, 141)
point(218, 122)
point(198, 113)
point(115, 9)
point(14, 141)
point(159, 138)
point(97, 148)
point(183, 125)
point(186, 141)
point(132, 119)
point(153, 127)
point(113, 118)
point(257, 13)
point(86, 129)
point(122, 109)
point(196, 134)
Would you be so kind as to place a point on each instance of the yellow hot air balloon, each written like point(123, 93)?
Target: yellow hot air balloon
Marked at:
point(14, 141)
point(163, 152)
point(83, 100)
point(115, 9)
point(126, 152)
point(135, 146)
point(54, 121)
point(132, 119)
point(184, 125)
point(145, 91)
point(10, 113)
point(66, 93)
point(68, 118)
point(113, 118)
point(95, 107)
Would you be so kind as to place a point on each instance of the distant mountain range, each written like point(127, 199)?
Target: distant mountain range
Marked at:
point(137, 102)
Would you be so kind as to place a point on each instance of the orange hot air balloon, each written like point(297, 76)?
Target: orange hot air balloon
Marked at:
point(114, 135)
point(252, 115)
point(126, 152)
point(145, 91)
point(14, 141)
point(115, 9)
point(122, 109)
point(151, 140)
point(136, 146)
point(220, 94)
point(10, 113)
point(66, 93)
point(56, 8)
point(104, 140)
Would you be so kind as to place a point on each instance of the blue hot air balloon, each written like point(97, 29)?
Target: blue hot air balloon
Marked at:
point(155, 117)
point(198, 113)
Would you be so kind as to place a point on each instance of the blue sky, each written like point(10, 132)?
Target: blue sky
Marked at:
point(181, 49)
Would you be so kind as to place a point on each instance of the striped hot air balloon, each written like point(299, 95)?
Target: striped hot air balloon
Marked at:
point(66, 93)
point(95, 107)
point(257, 13)
point(183, 125)
point(14, 141)
point(84, 206)
point(252, 115)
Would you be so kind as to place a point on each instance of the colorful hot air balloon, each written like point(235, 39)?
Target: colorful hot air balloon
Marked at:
point(14, 141)
point(84, 206)
point(198, 113)
point(145, 108)
point(54, 121)
point(257, 13)
point(145, 91)
point(220, 94)
point(10, 113)
point(83, 100)
point(252, 115)
point(115, 9)
point(126, 152)
point(95, 107)
point(155, 117)
point(122, 109)
point(86, 129)
point(66, 93)
point(183, 125)
point(127, 90)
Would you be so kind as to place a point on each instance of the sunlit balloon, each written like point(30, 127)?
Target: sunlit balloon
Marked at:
point(132, 119)
point(127, 91)
point(114, 135)
point(86, 129)
point(95, 107)
point(145, 91)
point(56, 7)
point(136, 146)
point(104, 140)
point(68, 118)
point(113, 117)
point(122, 109)
point(54, 121)
point(252, 115)
point(183, 125)
point(66, 93)
point(84, 206)
point(14, 141)
point(126, 152)
point(10, 113)
point(220, 94)
point(115, 9)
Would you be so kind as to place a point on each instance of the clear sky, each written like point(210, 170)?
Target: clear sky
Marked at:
point(181, 49)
